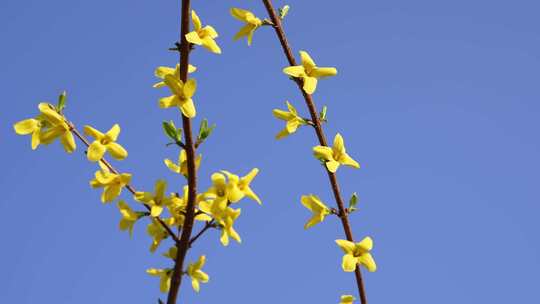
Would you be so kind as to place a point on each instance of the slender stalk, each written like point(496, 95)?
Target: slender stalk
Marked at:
point(207, 226)
point(316, 123)
point(130, 188)
point(183, 245)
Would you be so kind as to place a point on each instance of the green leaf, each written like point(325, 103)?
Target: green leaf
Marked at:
point(204, 130)
point(322, 115)
point(284, 11)
point(171, 131)
point(352, 202)
point(61, 101)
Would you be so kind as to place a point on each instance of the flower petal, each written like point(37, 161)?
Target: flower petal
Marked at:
point(95, 151)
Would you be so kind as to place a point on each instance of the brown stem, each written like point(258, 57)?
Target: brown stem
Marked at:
point(183, 245)
point(321, 137)
point(113, 170)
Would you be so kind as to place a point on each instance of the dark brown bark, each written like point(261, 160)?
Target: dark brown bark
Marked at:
point(183, 245)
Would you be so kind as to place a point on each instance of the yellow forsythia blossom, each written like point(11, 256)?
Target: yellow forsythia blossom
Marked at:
point(225, 216)
point(161, 71)
point(129, 217)
point(347, 299)
point(335, 156)
point(252, 23)
point(177, 208)
point(111, 183)
point(157, 200)
point(157, 232)
point(47, 127)
point(164, 277)
point(233, 188)
point(182, 94)
point(203, 35)
point(104, 143)
point(317, 207)
point(357, 253)
point(181, 166)
point(309, 72)
point(196, 274)
point(291, 117)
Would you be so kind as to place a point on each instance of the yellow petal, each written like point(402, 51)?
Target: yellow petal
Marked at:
point(332, 166)
point(347, 299)
point(113, 133)
point(347, 246)
point(210, 31)
point(156, 210)
point(172, 166)
point(50, 115)
point(68, 142)
point(323, 72)
point(161, 71)
point(239, 13)
point(196, 20)
point(310, 84)
point(90, 131)
point(95, 151)
point(188, 108)
point(307, 61)
point(295, 71)
point(26, 126)
point(349, 263)
point(35, 140)
point(323, 152)
point(366, 244)
point(110, 193)
point(194, 38)
point(367, 260)
point(117, 151)
point(339, 145)
point(210, 44)
point(169, 101)
point(189, 88)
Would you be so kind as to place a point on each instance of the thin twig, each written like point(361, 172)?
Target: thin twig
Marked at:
point(278, 27)
point(208, 225)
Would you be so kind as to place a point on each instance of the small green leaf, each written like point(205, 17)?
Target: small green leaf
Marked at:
point(323, 113)
point(204, 130)
point(352, 202)
point(284, 11)
point(171, 131)
point(61, 101)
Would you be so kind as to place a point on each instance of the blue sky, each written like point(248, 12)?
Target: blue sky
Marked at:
point(437, 100)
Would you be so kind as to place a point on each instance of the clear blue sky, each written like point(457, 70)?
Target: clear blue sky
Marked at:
point(438, 100)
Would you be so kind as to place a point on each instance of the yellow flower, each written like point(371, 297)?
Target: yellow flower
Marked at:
point(182, 94)
point(291, 117)
point(227, 229)
point(234, 188)
point(225, 216)
point(164, 277)
point(203, 35)
point(252, 23)
point(335, 156)
point(309, 72)
point(161, 71)
point(157, 200)
point(347, 299)
point(196, 274)
point(318, 208)
point(157, 232)
point(357, 253)
point(104, 143)
point(47, 127)
point(111, 183)
point(29, 126)
point(177, 208)
point(181, 166)
point(129, 217)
